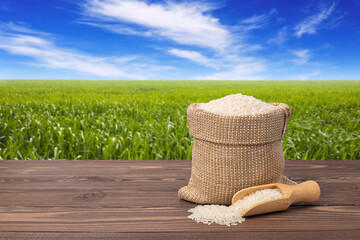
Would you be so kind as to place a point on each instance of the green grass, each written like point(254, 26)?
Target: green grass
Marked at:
point(147, 119)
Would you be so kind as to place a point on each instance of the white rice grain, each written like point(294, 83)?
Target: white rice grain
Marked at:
point(232, 215)
point(237, 105)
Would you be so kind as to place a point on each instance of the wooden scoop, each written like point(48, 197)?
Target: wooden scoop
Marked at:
point(308, 191)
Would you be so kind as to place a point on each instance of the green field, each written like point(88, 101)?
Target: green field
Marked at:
point(147, 119)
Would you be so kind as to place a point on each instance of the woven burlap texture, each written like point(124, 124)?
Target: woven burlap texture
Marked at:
point(231, 153)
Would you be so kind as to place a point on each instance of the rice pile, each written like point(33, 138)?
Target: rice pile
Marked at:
point(232, 215)
point(237, 104)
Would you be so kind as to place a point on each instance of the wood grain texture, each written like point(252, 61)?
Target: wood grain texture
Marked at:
point(182, 235)
point(138, 199)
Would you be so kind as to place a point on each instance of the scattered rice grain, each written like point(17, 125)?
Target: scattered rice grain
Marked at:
point(232, 215)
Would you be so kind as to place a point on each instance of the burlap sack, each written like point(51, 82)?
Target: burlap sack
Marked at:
point(231, 153)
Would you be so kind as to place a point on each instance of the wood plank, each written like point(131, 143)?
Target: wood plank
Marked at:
point(172, 219)
point(105, 199)
point(129, 194)
point(124, 183)
point(183, 235)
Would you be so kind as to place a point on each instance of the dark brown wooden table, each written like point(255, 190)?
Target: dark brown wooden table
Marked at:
point(138, 200)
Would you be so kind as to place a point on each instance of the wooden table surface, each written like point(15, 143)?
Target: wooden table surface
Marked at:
point(138, 199)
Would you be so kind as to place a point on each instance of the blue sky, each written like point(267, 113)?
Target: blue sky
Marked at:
point(215, 40)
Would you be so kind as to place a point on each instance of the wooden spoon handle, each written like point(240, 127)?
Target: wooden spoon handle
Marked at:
point(308, 191)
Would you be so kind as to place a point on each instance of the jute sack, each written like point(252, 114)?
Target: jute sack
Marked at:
point(231, 153)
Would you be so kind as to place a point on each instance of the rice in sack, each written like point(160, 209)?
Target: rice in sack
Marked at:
point(237, 144)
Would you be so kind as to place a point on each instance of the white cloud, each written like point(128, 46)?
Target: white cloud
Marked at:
point(246, 69)
point(281, 36)
point(13, 27)
point(306, 76)
point(22, 41)
point(303, 56)
point(193, 56)
point(185, 23)
point(257, 21)
point(119, 29)
point(50, 56)
point(336, 21)
point(310, 24)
